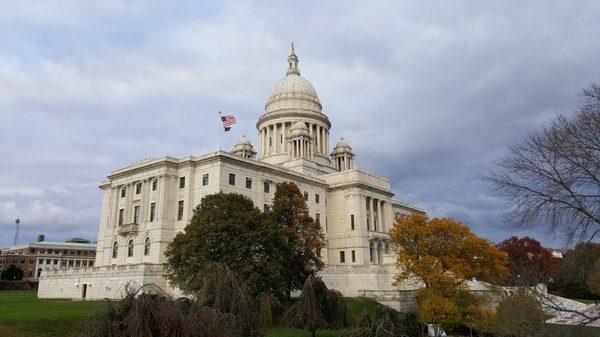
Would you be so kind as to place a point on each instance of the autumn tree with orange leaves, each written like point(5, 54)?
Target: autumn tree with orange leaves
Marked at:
point(443, 254)
point(443, 251)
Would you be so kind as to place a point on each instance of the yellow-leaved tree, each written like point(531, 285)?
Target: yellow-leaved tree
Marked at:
point(442, 254)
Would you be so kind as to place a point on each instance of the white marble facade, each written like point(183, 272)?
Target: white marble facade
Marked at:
point(146, 204)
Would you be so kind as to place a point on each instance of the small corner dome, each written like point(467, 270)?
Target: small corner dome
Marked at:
point(299, 125)
point(341, 143)
point(244, 148)
point(243, 141)
point(342, 147)
point(299, 128)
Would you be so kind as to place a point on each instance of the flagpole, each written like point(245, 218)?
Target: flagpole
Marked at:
point(219, 131)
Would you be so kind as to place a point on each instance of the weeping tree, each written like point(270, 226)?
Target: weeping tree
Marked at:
point(149, 312)
point(387, 322)
point(318, 308)
point(221, 307)
point(221, 289)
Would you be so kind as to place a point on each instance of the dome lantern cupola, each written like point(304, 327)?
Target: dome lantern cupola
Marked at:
point(293, 63)
point(342, 156)
point(244, 148)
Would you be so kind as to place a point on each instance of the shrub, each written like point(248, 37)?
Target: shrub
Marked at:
point(387, 322)
point(520, 315)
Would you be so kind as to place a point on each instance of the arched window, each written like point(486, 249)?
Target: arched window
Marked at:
point(147, 246)
point(130, 248)
point(115, 249)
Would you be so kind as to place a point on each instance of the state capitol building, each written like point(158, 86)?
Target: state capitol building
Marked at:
point(146, 204)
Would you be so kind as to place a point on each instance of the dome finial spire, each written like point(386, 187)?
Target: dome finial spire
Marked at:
point(293, 63)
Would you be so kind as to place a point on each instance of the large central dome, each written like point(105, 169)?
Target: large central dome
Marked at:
point(293, 92)
point(293, 125)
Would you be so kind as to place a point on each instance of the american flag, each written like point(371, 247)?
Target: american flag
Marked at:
point(228, 121)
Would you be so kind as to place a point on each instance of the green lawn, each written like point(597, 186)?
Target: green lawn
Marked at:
point(23, 314)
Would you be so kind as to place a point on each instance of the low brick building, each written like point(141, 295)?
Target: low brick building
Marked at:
point(33, 258)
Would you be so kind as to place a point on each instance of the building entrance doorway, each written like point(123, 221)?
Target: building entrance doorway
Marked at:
point(84, 290)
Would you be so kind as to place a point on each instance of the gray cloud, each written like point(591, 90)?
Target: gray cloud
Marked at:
point(429, 94)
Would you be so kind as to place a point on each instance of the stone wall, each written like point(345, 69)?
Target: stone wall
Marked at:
point(99, 282)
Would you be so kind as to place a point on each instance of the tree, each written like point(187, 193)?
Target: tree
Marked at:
point(529, 262)
point(442, 253)
point(553, 177)
point(12, 273)
point(439, 311)
point(317, 308)
point(576, 272)
point(520, 315)
point(220, 307)
point(228, 229)
point(304, 238)
point(387, 322)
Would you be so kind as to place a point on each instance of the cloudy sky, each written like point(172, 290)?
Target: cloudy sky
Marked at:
point(429, 94)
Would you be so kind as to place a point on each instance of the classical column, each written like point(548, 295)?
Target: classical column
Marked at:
point(370, 202)
point(382, 215)
point(379, 218)
point(262, 142)
point(114, 206)
point(129, 203)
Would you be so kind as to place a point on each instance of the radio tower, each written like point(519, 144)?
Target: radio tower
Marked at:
point(17, 221)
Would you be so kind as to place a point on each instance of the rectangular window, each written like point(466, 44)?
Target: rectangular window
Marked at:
point(138, 188)
point(342, 257)
point(123, 192)
point(353, 256)
point(232, 179)
point(266, 208)
point(352, 221)
point(205, 179)
point(181, 182)
point(305, 196)
point(152, 211)
point(266, 187)
point(180, 210)
point(317, 198)
point(154, 184)
point(121, 215)
point(136, 214)
point(368, 225)
point(318, 218)
point(248, 183)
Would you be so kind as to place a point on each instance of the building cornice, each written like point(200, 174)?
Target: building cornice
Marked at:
point(169, 162)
